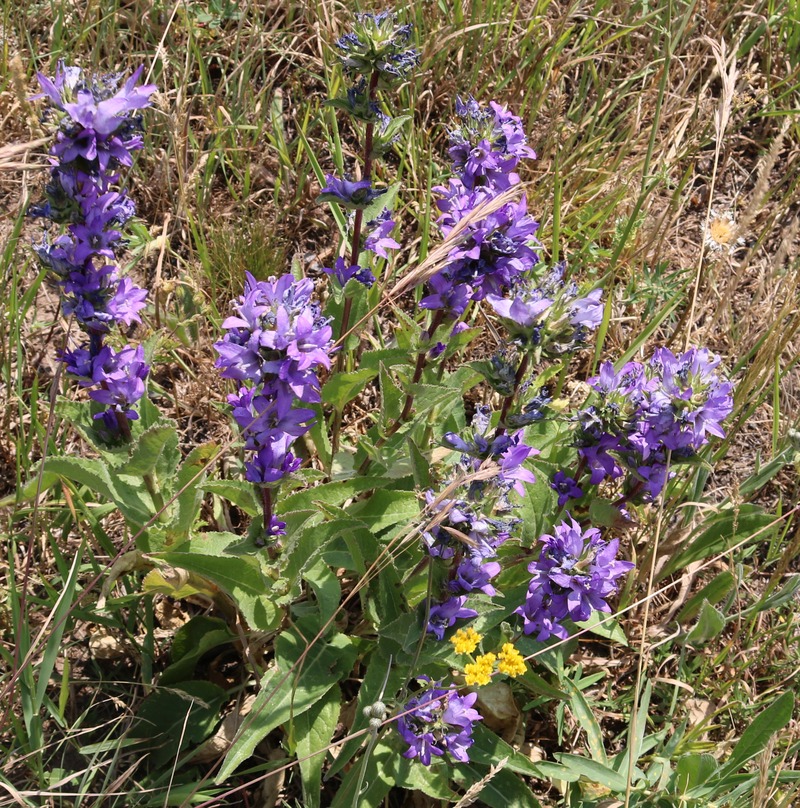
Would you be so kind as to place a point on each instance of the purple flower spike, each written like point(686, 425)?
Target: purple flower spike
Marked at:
point(575, 573)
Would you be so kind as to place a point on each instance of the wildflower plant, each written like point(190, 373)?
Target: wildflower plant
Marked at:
point(471, 524)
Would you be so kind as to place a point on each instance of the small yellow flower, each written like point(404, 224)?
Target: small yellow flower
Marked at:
point(479, 672)
point(511, 662)
point(465, 640)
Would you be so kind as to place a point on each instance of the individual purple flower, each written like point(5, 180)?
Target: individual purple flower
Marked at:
point(265, 419)
point(343, 273)
point(472, 575)
point(572, 578)
point(566, 487)
point(379, 240)
point(348, 193)
point(271, 463)
point(444, 615)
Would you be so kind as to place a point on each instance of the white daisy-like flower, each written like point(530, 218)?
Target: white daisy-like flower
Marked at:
point(720, 232)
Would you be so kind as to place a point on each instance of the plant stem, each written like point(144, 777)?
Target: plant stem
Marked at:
point(355, 244)
point(422, 361)
point(509, 400)
point(355, 249)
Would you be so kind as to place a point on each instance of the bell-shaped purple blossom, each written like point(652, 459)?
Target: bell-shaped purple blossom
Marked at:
point(566, 487)
point(343, 273)
point(378, 239)
point(349, 193)
point(436, 722)
point(572, 578)
point(444, 615)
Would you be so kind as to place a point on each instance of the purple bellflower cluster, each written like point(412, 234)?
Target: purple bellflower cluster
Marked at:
point(274, 345)
point(647, 416)
point(494, 251)
point(465, 537)
point(548, 318)
point(378, 45)
point(572, 578)
point(436, 722)
point(97, 128)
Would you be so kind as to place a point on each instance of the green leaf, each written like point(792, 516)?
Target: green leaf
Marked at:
point(693, 771)
point(314, 730)
point(411, 775)
point(59, 614)
point(503, 790)
point(237, 492)
point(391, 398)
point(173, 718)
point(603, 513)
point(192, 641)
point(755, 738)
point(488, 748)
point(726, 529)
point(326, 588)
point(708, 626)
point(147, 450)
point(188, 481)
point(389, 357)
point(583, 713)
point(330, 493)
point(594, 772)
point(239, 577)
point(420, 465)
point(387, 509)
point(286, 694)
point(603, 625)
point(713, 592)
point(343, 387)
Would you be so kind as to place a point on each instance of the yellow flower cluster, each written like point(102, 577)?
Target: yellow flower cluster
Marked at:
point(465, 640)
point(479, 672)
point(511, 662)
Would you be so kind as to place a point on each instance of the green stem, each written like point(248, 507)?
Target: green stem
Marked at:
point(422, 361)
point(509, 400)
